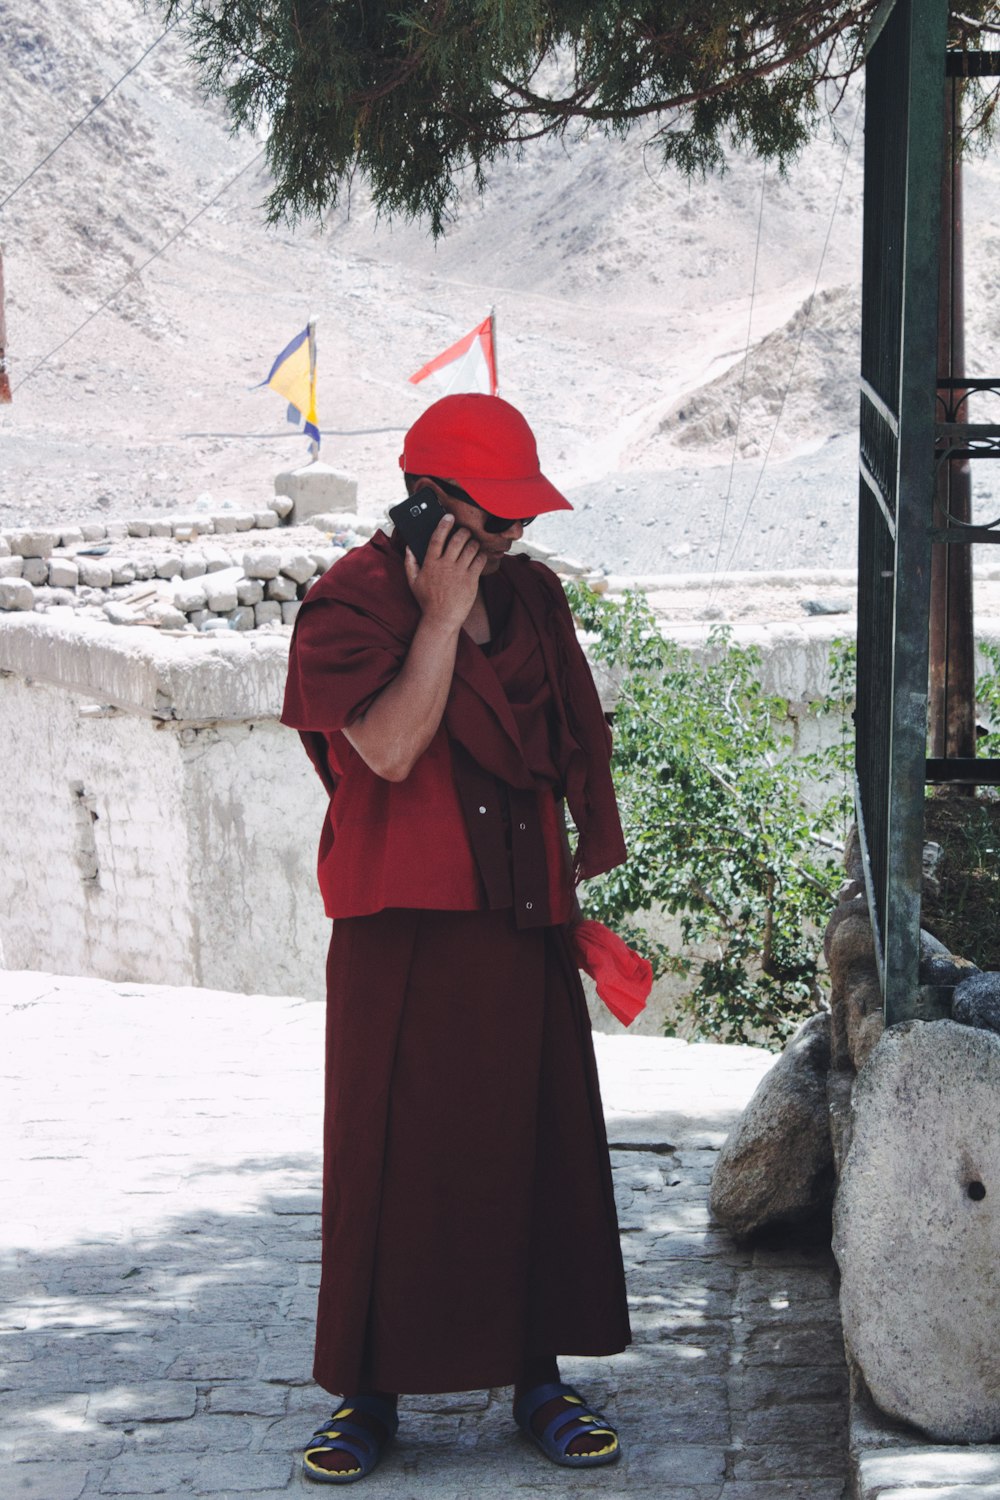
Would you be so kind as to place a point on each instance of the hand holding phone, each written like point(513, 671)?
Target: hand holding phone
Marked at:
point(416, 519)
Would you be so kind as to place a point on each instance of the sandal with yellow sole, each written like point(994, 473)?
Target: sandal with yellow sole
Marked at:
point(341, 1435)
point(557, 1435)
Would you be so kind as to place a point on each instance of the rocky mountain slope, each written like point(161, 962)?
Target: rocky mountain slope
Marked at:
point(623, 298)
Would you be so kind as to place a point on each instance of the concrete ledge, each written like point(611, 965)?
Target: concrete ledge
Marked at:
point(890, 1461)
point(226, 676)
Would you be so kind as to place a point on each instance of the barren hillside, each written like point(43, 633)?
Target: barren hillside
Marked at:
point(622, 294)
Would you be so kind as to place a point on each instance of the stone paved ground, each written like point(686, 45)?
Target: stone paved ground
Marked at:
point(160, 1239)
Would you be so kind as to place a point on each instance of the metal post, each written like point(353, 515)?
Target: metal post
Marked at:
point(952, 690)
point(925, 44)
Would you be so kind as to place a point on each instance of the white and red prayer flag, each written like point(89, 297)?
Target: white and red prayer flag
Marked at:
point(468, 366)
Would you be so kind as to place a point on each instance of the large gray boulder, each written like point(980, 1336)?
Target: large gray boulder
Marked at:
point(917, 1229)
point(777, 1164)
point(976, 1002)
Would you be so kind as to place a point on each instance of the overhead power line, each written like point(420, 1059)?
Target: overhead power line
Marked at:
point(133, 275)
point(84, 118)
point(807, 311)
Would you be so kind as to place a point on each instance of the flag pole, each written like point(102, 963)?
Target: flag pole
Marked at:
point(493, 346)
point(313, 444)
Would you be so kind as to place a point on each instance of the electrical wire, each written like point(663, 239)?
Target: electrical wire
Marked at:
point(138, 271)
point(798, 347)
point(84, 118)
point(743, 382)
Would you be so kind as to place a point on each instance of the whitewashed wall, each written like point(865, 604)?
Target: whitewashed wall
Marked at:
point(158, 824)
point(143, 837)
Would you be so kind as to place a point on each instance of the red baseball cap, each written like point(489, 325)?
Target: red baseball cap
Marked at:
point(486, 446)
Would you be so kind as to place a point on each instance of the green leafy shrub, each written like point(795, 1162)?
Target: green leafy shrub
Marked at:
point(718, 829)
point(988, 699)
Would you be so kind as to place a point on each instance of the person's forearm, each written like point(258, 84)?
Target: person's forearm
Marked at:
point(395, 731)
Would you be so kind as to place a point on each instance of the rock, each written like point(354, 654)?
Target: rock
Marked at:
point(17, 593)
point(853, 859)
point(851, 902)
point(946, 969)
point(11, 567)
point(916, 1226)
point(854, 988)
point(168, 565)
point(119, 614)
point(264, 562)
point(325, 557)
point(931, 862)
point(161, 528)
point(122, 570)
point(315, 488)
point(289, 611)
point(267, 613)
point(4, 546)
point(92, 531)
point(243, 520)
point(777, 1164)
point(827, 606)
point(263, 520)
point(242, 618)
point(189, 595)
point(250, 591)
point(298, 565)
point(199, 618)
point(35, 570)
point(72, 536)
point(94, 572)
point(216, 558)
point(32, 543)
point(116, 531)
point(166, 615)
point(929, 944)
point(281, 505)
point(145, 568)
point(976, 1001)
point(851, 949)
point(186, 528)
point(193, 565)
point(139, 527)
point(283, 589)
point(222, 596)
point(866, 1036)
point(224, 523)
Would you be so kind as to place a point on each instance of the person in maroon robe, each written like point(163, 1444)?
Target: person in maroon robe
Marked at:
point(469, 1227)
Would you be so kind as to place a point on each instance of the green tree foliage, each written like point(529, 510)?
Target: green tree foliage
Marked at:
point(410, 94)
point(722, 825)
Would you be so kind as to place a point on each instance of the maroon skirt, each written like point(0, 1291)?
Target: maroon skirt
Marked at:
point(468, 1215)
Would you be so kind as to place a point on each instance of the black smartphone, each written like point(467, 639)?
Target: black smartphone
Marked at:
point(415, 519)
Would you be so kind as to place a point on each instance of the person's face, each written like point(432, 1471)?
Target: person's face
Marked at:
point(471, 518)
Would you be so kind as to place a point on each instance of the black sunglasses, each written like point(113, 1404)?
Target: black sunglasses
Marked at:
point(495, 525)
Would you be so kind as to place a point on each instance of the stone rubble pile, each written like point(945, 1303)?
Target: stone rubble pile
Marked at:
point(188, 573)
point(192, 573)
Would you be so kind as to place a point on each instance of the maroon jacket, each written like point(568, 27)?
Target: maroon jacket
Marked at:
point(475, 822)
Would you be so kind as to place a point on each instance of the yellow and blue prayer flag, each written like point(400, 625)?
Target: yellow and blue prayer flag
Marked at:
point(293, 375)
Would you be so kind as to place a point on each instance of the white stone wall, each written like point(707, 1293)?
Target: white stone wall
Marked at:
point(156, 822)
point(94, 840)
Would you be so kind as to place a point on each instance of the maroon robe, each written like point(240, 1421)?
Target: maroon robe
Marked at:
point(468, 1213)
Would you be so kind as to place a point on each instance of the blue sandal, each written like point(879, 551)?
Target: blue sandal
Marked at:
point(341, 1435)
point(565, 1426)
